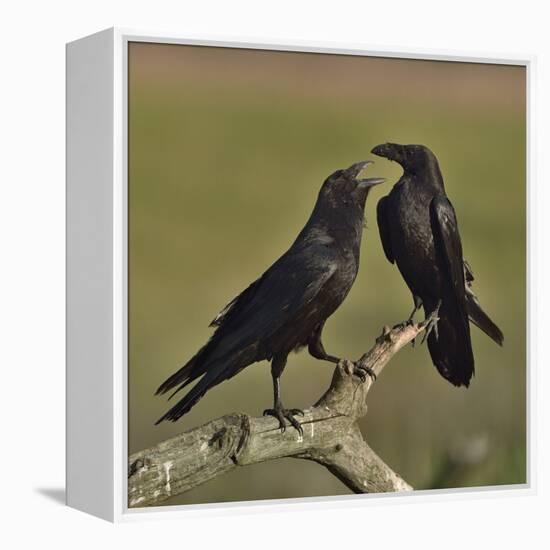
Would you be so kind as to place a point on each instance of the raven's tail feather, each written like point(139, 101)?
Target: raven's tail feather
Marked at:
point(482, 320)
point(212, 370)
point(451, 349)
point(184, 376)
point(185, 404)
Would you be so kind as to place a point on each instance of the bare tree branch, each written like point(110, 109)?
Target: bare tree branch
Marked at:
point(331, 438)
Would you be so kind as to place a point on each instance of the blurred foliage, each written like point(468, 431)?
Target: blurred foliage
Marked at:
point(225, 162)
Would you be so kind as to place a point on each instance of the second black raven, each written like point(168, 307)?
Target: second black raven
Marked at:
point(419, 232)
point(286, 308)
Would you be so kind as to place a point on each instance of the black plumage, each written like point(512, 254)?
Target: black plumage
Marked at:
point(419, 232)
point(286, 308)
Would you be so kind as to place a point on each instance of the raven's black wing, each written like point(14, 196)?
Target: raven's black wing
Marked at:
point(448, 245)
point(451, 349)
point(281, 295)
point(233, 306)
point(468, 273)
point(384, 227)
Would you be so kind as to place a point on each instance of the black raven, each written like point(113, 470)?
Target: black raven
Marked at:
point(419, 232)
point(286, 308)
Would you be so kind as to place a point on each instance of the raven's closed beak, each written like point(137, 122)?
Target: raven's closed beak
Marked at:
point(391, 151)
point(355, 169)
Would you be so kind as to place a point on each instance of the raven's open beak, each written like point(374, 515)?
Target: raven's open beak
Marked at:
point(369, 182)
point(355, 169)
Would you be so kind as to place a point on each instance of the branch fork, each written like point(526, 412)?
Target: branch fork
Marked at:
point(331, 437)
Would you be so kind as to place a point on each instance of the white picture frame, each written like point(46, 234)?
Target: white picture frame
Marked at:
point(97, 305)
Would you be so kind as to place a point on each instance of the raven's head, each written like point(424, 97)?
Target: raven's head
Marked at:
point(346, 188)
point(413, 158)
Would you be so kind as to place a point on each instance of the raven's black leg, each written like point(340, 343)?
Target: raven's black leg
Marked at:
point(317, 350)
point(431, 325)
point(278, 411)
point(417, 305)
point(410, 319)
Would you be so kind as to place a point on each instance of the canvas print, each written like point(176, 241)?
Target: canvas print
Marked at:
point(327, 275)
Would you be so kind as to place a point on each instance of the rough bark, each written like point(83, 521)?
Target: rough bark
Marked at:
point(331, 437)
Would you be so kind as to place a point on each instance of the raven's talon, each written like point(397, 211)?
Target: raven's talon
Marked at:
point(430, 324)
point(290, 417)
point(361, 371)
point(276, 413)
point(281, 413)
point(404, 324)
point(427, 330)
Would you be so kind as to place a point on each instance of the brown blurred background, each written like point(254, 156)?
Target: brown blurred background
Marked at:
point(227, 151)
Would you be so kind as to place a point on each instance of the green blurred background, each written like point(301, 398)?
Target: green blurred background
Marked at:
point(227, 151)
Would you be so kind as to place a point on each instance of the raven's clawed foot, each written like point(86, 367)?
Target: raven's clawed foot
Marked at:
point(404, 324)
point(280, 413)
point(362, 371)
point(431, 324)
